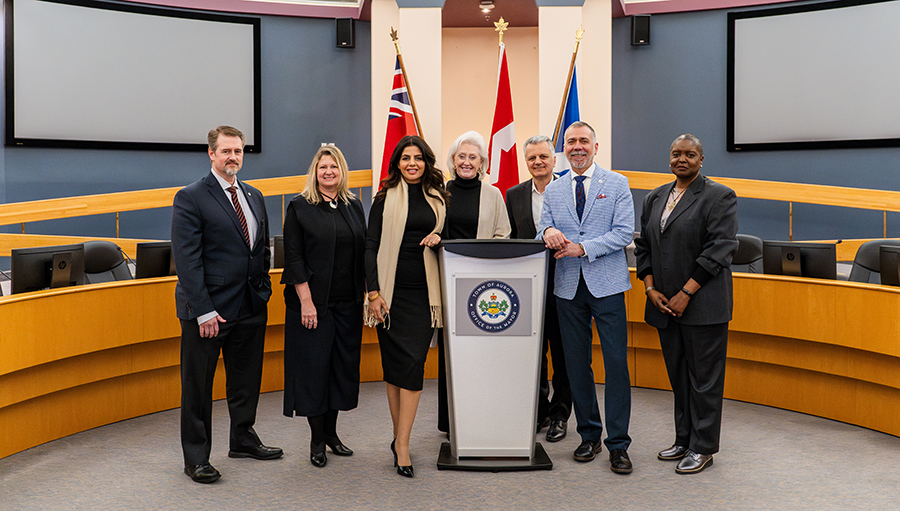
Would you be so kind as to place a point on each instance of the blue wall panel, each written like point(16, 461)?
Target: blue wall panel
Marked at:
point(678, 84)
point(312, 92)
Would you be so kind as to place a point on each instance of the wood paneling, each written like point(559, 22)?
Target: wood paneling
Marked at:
point(109, 352)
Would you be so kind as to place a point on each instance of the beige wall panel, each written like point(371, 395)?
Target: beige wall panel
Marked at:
point(470, 60)
point(420, 31)
point(385, 14)
point(595, 96)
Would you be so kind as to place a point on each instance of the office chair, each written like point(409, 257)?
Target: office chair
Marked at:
point(749, 255)
point(866, 264)
point(104, 262)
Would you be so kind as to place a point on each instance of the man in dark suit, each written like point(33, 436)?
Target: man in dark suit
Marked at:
point(588, 219)
point(524, 203)
point(220, 236)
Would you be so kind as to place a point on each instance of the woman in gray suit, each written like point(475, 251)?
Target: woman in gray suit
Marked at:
point(688, 237)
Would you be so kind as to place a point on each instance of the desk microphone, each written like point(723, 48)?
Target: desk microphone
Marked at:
point(130, 260)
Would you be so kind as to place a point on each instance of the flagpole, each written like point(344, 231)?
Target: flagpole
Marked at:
point(412, 102)
point(562, 107)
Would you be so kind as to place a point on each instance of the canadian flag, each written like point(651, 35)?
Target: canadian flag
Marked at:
point(504, 169)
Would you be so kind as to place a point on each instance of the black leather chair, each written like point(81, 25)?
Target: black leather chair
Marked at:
point(749, 255)
point(104, 262)
point(867, 263)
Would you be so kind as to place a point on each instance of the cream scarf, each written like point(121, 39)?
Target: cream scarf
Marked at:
point(393, 223)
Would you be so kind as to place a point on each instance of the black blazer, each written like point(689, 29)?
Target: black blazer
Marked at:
point(518, 207)
point(309, 234)
point(700, 233)
point(215, 265)
point(521, 221)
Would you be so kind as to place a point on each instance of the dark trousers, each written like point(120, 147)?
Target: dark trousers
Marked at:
point(608, 314)
point(443, 398)
point(241, 342)
point(695, 360)
point(557, 407)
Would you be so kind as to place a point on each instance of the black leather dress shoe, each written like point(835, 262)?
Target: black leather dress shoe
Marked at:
point(337, 447)
point(619, 462)
point(693, 463)
point(676, 452)
point(202, 473)
point(260, 452)
point(406, 471)
point(587, 450)
point(317, 454)
point(557, 431)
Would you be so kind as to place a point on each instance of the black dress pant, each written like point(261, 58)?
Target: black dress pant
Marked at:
point(241, 342)
point(695, 360)
point(557, 407)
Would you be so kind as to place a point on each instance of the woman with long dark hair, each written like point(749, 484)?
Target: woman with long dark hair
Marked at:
point(403, 282)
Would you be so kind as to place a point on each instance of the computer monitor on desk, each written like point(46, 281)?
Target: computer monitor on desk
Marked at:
point(889, 264)
point(51, 267)
point(798, 259)
point(153, 259)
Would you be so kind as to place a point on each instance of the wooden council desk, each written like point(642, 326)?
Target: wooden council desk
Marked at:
point(78, 358)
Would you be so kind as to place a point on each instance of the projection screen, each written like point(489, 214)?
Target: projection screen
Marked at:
point(814, 76)
point(82, 73)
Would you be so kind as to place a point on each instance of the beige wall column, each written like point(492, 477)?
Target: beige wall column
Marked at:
point(385, 14)
point(419, 30)
point(556, 40)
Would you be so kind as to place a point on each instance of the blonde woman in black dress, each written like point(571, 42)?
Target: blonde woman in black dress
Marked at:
point(324, 243)
point(404, 292)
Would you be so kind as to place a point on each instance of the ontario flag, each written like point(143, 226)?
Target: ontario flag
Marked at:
point(401, 121)
point(504, 163)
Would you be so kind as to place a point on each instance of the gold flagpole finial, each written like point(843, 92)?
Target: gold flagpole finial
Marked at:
point(578, 34)
point(395, 39)
point(501, 27)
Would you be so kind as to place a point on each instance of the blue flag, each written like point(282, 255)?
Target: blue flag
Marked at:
point(570, 115)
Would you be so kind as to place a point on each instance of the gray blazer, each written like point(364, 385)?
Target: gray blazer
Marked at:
point(700, 235)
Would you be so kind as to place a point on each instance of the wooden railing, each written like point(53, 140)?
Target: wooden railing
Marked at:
point(84, 205)
point(49, 209)
point(823, 195)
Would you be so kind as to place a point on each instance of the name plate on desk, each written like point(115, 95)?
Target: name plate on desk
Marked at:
point(493, 307)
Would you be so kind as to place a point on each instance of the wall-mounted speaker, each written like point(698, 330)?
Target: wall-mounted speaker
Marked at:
point(640, 30)
point(345, 30)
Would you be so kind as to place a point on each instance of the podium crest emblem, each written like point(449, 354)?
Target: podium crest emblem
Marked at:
point(493, 306)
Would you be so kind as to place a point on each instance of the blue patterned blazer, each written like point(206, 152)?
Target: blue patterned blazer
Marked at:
point(606, 227)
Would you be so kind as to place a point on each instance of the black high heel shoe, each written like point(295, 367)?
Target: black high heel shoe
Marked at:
point(337, 447)
point(405, 471)
point(317, 454)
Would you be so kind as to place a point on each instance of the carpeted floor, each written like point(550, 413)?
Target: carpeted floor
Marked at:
point(771, 460)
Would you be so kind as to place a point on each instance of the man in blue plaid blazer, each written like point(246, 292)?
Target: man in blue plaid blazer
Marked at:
point(588, 219)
